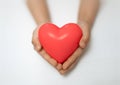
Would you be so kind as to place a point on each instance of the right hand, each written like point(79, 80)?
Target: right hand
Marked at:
point(73, 59)
point(42, 52)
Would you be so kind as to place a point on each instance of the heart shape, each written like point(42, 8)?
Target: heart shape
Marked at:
point(60, 43)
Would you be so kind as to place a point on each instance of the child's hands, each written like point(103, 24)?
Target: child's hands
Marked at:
point(70, 63)
point(41, 51)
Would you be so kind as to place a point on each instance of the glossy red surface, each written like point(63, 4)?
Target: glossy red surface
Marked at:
point(60, 43)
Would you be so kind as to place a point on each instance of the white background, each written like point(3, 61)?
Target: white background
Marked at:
point(21, 65)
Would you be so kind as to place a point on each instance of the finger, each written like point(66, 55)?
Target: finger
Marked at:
point(37, 45)
point(35, 42)
point(48, 58)
point(59, 66)
point(82, 43)
point(62, 72)
point(72, 58)
point(85, 38)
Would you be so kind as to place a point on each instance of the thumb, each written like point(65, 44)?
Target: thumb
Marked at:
point(82, 43)
point(86, 34)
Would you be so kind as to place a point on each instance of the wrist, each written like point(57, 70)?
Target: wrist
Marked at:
point(43, 22)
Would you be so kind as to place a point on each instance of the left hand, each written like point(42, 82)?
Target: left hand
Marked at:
point(72, 60)
point(41, 51)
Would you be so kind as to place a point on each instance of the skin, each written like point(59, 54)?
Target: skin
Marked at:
point(86, 16)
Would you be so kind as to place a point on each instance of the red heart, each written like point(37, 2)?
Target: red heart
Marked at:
point(60, 43)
